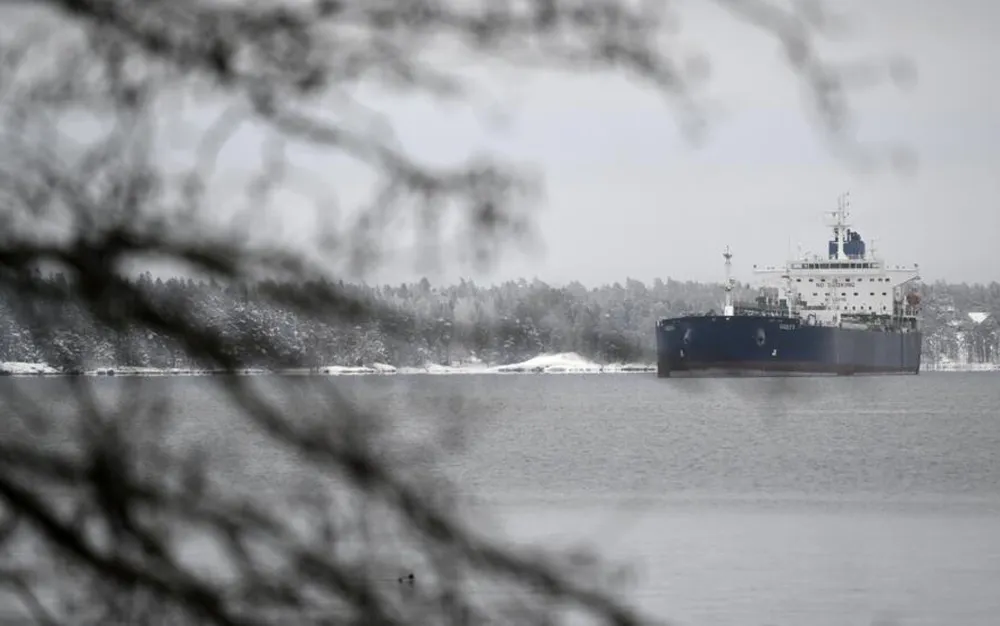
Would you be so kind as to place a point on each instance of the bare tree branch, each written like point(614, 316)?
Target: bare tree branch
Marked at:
point(97, 488)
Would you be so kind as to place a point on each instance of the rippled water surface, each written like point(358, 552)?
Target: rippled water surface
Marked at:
point(747, 502)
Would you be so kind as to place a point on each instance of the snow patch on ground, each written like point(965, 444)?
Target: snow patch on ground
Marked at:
point(951, 366)
point(560, 363)
point(571, 363)
point(17, 368)
point(362, 370)
point(469, 367)
point(164, 371)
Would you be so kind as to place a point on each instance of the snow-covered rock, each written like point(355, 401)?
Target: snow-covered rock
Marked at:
point(344, 370)
point(561, 363)
point(17, 368)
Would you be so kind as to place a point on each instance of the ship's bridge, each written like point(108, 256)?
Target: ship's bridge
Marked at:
point(850, 287)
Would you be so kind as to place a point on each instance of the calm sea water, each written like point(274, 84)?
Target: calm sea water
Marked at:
point(827, 501)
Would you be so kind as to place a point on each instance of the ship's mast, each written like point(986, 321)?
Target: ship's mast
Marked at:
point(728, 311)
point(840, 224)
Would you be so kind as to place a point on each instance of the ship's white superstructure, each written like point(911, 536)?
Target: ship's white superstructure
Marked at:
point(851, 286)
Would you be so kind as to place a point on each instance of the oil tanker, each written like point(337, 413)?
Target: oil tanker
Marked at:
point(844, 313)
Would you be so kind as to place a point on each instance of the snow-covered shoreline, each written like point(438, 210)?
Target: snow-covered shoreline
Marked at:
point(561, 363)
point(960, 367)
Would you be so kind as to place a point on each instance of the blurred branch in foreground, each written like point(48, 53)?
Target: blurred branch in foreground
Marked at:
point(94, 501)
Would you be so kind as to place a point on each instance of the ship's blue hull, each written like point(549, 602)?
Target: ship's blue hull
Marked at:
point(748, 345)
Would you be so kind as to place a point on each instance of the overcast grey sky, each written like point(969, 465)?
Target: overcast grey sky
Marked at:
point(627, 196)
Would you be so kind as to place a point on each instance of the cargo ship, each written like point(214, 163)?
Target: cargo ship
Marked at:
point(844, 313)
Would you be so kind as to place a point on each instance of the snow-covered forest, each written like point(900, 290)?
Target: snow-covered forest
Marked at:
point(420, 323)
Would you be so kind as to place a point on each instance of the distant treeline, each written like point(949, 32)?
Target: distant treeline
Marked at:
point(414, 324)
